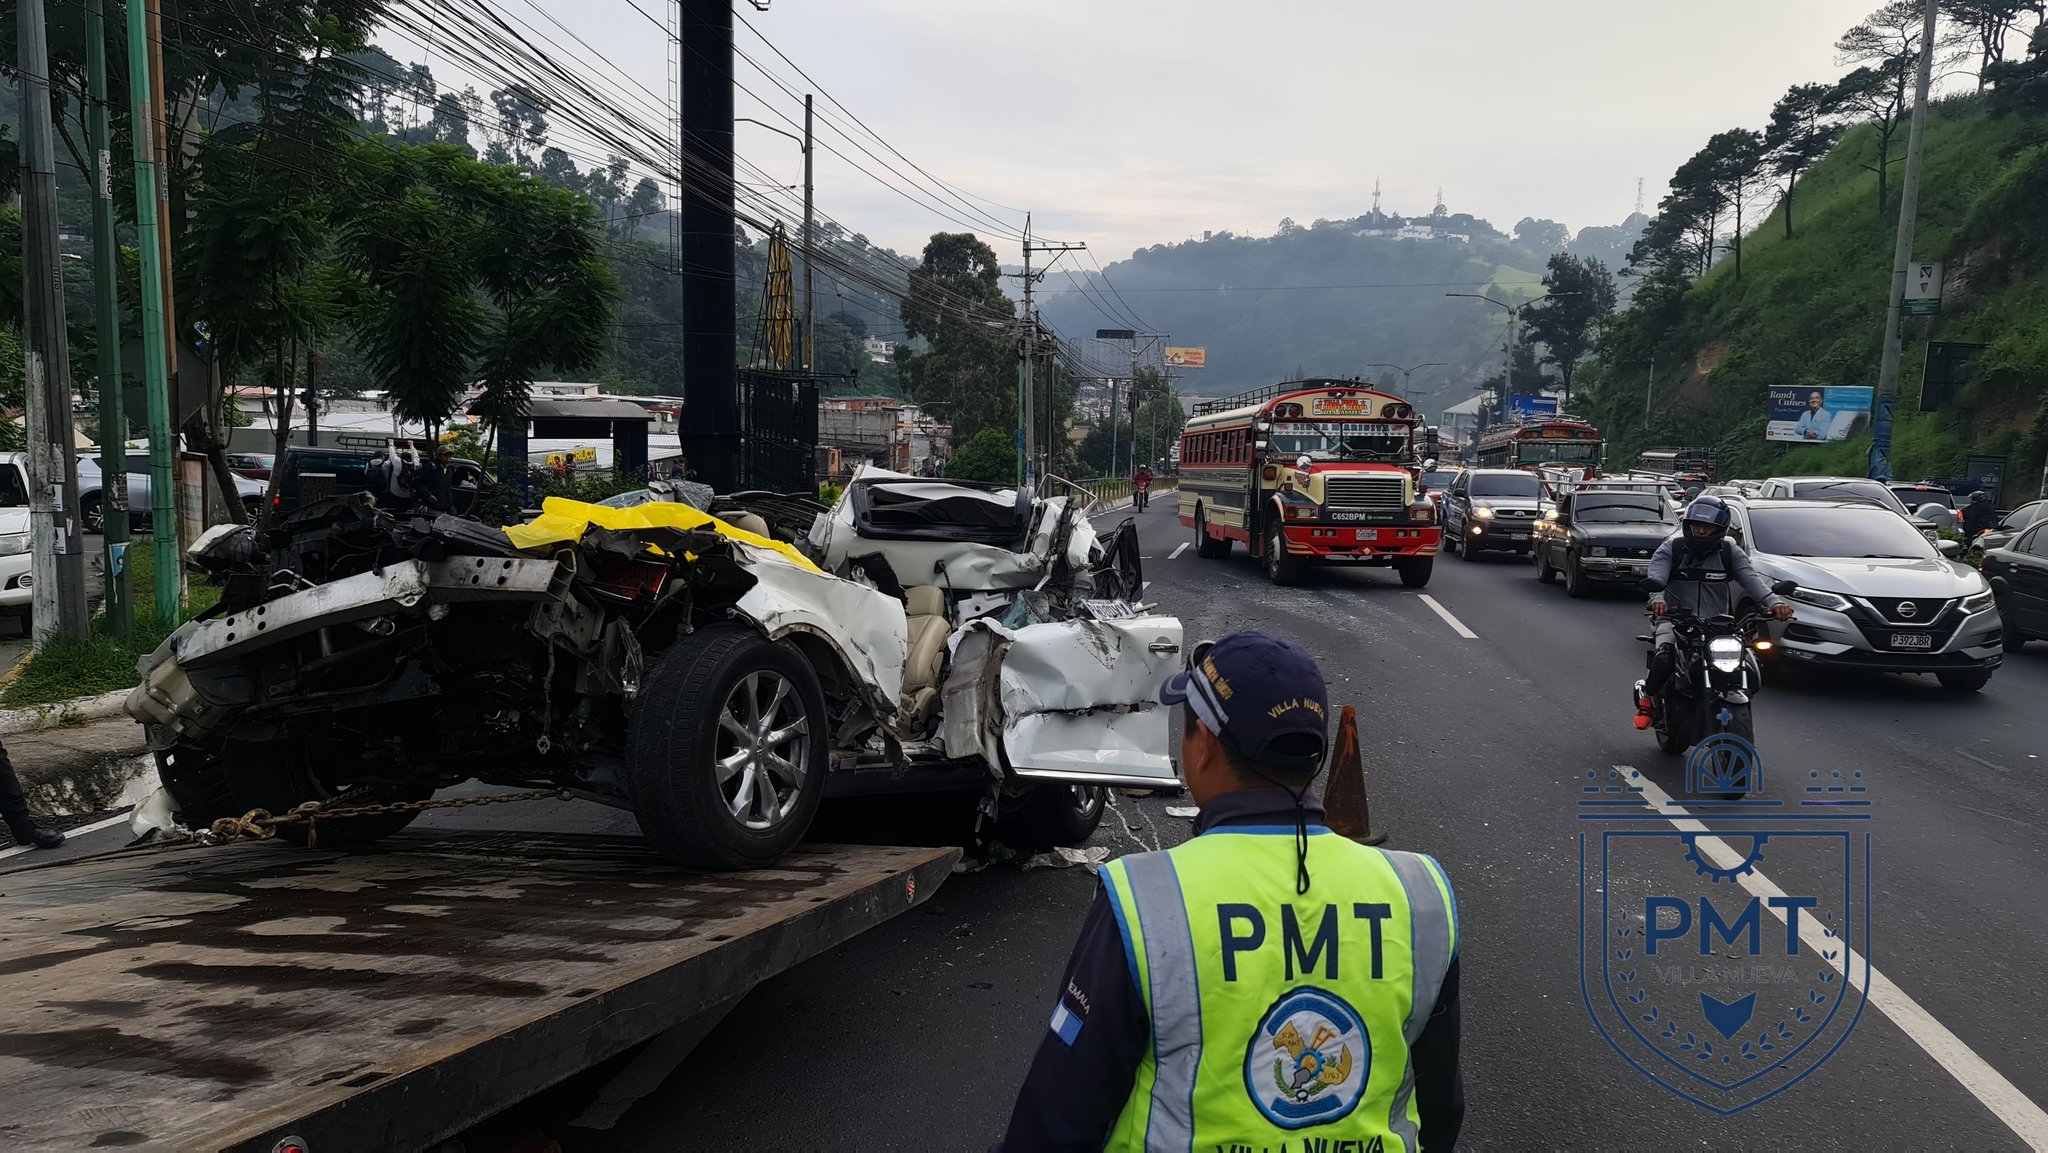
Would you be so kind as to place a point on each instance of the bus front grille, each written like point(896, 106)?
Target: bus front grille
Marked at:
point(1364, 492)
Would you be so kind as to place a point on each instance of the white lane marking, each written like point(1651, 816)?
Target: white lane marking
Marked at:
point(1986, 1084)
point(1179, 549)
point(95, 827)
point(1450, 620)
point(1143, 587)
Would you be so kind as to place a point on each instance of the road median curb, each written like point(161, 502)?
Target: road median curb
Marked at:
point(62, 714)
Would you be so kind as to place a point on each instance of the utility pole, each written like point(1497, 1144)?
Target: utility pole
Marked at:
point(151, 192)
point(810, 298)
point(312, 402)
point(1112, 413)
point(1028, 351)
point(57, 554)
point(1886, 396)
point(710, 383)
point(107, 325)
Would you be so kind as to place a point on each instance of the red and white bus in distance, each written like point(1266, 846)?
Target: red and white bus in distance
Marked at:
point(1307, 471)
point(1564, 444)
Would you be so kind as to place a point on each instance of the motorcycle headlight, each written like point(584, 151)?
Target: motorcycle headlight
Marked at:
point(1483, 512)
point(1725, 653)
point(13, 544)
point(1819, 599)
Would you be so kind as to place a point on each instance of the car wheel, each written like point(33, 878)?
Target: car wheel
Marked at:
point(1415, 570)
point(1574, 577)
point(1964, 680)
point(1466, 551)
point(728, 751)
point(2010, 635)
point(1283, 568)
point(1211, 547)
point(1050, 816)
point(279, 776)
point(1544, 572)
point(90, 516)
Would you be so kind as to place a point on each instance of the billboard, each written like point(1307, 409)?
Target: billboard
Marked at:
point(1809, 415)
point(1531, 409)
point(1186, 357)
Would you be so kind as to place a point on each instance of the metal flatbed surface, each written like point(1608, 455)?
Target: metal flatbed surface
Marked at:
point(382, 997)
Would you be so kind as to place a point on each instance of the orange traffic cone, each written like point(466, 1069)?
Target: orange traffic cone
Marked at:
point(1345, 808)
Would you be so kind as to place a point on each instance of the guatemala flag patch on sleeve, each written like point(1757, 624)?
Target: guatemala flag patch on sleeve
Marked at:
point(1066, 1024)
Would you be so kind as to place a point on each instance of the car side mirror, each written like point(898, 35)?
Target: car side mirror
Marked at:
point(1949, 547)
point(1784, 588)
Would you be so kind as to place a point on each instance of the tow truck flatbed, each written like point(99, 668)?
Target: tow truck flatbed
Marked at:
point(383, 997)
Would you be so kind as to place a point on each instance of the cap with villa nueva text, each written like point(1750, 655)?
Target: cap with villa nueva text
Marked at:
point(1262, 696)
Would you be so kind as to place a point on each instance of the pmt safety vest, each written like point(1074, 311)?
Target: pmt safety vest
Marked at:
point(1276, 1018)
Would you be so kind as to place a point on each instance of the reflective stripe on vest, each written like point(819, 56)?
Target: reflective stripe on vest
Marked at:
point(1277, 1016)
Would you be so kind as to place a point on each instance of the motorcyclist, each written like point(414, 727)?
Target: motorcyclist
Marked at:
point(1978, 516)
point(1141, 486)
point(1696, 568)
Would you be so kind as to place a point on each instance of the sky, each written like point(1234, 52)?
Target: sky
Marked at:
point(1126, 123)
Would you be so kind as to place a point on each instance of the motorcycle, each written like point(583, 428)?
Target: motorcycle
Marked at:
point(1140, 497)
point(1716, 676)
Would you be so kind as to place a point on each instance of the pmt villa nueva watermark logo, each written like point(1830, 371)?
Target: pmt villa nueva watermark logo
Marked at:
point(1724, 936)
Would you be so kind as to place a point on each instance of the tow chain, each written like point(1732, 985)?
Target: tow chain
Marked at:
point(261, 824)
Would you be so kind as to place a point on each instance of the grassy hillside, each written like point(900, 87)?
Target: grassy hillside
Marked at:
point(1809, 311)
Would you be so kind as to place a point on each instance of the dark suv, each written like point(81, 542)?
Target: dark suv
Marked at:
point(1492, 509)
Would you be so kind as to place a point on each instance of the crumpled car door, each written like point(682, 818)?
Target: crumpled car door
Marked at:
point(1079, 700)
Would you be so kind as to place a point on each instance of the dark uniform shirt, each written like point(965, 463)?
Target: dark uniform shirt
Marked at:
point(1978, 516)
point(1075, 1090)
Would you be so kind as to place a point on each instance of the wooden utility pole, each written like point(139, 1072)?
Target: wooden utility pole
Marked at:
point(1027, 352)
point(810, 238)
point(57, 558)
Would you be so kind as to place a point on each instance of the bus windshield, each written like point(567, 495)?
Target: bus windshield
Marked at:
point(1560, 451)
point(1342, 440)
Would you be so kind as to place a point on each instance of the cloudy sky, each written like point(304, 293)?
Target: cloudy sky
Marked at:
point(1126, 123)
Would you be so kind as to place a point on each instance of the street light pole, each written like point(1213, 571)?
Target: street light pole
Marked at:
point(1885, 396)
point(1514, 311)
point(1406, 372)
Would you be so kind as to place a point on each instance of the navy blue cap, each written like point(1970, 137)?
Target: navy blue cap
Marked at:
point(1255, 692)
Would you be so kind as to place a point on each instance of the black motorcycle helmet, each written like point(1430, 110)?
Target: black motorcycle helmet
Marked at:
point(1710, 512)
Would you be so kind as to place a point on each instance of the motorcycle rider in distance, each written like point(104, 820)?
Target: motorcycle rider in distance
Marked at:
point(1978, 517)
point(1141, 487)
point(1697, 568)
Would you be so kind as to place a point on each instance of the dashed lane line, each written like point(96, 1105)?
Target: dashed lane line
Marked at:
point(1178, 549)
point(1450, 620)
point(1972, 1072)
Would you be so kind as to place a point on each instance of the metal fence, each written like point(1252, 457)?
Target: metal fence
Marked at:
point(779, 431)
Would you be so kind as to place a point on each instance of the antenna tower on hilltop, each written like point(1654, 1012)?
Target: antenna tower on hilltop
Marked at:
point(1375, 196)
point(1440, 209)
point(1639, 196)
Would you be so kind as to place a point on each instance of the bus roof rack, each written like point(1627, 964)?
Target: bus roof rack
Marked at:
point(1268, 392)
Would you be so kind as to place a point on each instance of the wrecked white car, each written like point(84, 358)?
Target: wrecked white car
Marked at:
point(720, 675)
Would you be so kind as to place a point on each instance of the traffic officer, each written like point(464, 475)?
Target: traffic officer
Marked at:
point(1267, 983)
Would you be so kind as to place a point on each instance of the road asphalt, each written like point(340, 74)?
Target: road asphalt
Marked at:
point(1477, 750)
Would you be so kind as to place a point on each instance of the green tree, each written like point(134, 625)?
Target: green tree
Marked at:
point(2020, 88)
point(990, 456)
point(1568, 325)
point(467, 272)
point(1542, 235)
point(1802, 130)
point(1738, 158)
point(1886, 45)
point(955, 305)
point(1988, 23)
point(645, 202)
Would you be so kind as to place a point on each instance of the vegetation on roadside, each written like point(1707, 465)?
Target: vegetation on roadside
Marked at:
point(102, 663)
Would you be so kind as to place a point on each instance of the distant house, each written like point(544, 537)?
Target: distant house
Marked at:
point(879, 351)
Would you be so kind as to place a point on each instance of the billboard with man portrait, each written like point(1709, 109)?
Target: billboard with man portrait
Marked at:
point(1806, 415)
